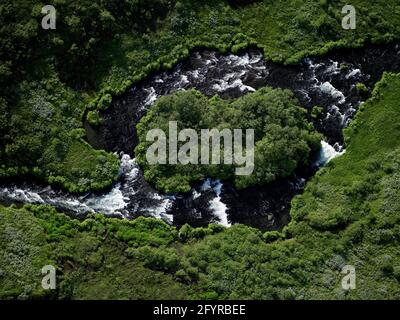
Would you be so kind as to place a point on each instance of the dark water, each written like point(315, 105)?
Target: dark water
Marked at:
point(328, 82)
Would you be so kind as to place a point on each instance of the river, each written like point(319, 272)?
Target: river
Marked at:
point(328, 82)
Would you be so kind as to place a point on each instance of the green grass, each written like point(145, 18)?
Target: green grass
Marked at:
point(83, 168)
point(286, 32)
point(89, 257)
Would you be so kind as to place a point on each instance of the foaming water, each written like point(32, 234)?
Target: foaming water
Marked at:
point(122, 200)
point(215, 204)
point(327, 153)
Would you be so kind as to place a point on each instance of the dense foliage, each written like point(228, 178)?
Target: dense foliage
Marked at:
point(283, 138)
point(89, 256)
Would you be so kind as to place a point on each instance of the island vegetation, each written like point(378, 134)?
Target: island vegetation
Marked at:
point(283, 137)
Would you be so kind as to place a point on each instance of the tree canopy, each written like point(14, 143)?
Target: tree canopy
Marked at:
point(284, 138)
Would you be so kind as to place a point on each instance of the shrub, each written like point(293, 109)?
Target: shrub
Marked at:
point(104, 102)
point(361, 88)
point(94, 118)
